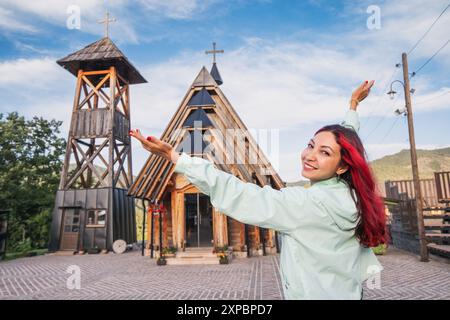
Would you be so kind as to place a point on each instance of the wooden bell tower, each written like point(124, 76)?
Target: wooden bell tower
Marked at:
point(92, 208)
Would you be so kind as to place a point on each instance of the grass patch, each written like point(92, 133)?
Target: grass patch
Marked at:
point(30, 253)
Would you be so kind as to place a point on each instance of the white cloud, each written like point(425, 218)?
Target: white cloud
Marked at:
point(37, 72)
point(291, 84)
point(55, 13)
point(15, 13)
point(290, 167)
point(56, 10)
point(177, 9)
point(432, 100)
point(37, 87)
point(9, 22)
point(271, 84)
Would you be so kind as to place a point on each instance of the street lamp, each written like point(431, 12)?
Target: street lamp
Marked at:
point(392, 92)
point(407, 111)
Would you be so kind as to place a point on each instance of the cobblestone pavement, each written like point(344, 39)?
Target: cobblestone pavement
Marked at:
point(130, 276)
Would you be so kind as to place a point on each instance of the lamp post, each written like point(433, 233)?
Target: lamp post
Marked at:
point(161, 210)
point(153, 206)
point(143, 226)
point(415, 168)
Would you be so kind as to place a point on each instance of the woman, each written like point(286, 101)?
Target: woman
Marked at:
point(327, 230)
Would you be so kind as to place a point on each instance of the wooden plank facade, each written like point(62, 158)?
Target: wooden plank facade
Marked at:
point(443, 186)
point(190, 219)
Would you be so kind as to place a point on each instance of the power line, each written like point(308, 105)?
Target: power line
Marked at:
point(413, 74)
point(432, 98)
point(431, 58)
point(425, 34)
point(380, 98)
point(390, 129)
point(382, 118)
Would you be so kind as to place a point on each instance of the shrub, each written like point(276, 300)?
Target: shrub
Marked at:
point(380, 250)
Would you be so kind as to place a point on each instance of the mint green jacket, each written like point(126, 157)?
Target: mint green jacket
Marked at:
point(320, 256)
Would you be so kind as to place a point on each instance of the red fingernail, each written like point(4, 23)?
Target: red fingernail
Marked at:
point(149, 138)
point(367, 81)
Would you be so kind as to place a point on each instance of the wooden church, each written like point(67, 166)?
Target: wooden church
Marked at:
point(190, 220)
point(92, 208)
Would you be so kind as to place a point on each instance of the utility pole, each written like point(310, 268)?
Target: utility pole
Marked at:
point(415, 168)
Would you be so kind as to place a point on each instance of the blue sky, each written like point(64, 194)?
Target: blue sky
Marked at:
point(288, 65)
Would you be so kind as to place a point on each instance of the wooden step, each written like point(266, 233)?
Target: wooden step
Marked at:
point(65, 253)
point(434, 216)
point(434, 223)
point(437, 226)
point(195, 254)
point(192, 260)
point(441, 250)
point(437, 235)
point(202, 255)
point(438, 238)
point(200, 249)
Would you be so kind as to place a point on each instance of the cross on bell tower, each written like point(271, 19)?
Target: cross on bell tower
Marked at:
point(106, 21)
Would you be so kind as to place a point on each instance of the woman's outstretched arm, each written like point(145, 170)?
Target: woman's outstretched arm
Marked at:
point(351, 119)
point(249, 203)
point(282, 210)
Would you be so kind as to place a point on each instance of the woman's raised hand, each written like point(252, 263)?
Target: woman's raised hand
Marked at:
point(156, 146)
point(360, 93)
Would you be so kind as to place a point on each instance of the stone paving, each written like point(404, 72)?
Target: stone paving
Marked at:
point(130, 276)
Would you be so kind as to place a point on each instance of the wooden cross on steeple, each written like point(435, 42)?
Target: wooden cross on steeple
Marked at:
point(214, 51)
point(106, 21)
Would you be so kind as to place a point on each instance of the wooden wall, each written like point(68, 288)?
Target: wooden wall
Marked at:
point(226, 231)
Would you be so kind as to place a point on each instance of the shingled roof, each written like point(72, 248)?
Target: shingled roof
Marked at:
point(99, 55)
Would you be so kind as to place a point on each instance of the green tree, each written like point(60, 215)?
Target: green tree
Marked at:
point(30, 165)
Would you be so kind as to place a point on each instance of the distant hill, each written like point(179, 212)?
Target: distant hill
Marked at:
point(398, 166)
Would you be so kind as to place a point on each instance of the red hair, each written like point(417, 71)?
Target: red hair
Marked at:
point(371, 227)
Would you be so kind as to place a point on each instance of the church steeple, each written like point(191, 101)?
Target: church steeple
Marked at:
point(215, 74)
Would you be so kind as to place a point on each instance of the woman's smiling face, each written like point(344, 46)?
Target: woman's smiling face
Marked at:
point(321, 159)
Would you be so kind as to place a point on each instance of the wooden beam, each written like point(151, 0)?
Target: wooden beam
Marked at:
point(77, 160)
point(88, 160)
point(94, 90)
point(112, 87)
point(91, 73)
point(121, 157)
point(84, 165)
